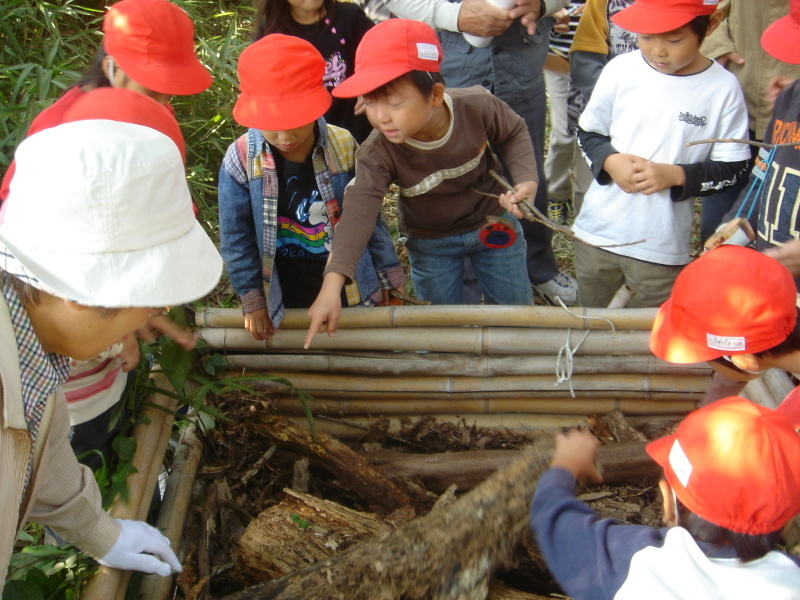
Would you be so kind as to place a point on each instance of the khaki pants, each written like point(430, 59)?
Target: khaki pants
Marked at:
point(601, 273)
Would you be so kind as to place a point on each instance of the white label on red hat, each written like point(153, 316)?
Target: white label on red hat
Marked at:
point(680, 464)
point(721, 342)
point(710, 2)
point(427, 51)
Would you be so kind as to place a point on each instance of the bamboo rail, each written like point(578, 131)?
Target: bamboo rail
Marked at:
point(152, 436)
point(451, 316)
point(415, 364)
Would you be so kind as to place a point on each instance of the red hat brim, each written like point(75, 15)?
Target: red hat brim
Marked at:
point(369, 80)
point(280, 115)
point(646, 19)
point(175, 80)
point(782, 40)
point(669, 343)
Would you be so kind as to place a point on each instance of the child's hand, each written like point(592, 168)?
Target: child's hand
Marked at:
point(327, 308)
point(129, 355)
point(620, 168)
point(651, 177)
point(524, 191)
point(575, 452)
point(774, 87)
point(160, 324)
point(259, 325)
point(788, 255)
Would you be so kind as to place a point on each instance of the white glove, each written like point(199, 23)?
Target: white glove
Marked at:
point(141, 548)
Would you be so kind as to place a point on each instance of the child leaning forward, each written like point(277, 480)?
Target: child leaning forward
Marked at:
point(280, 191)
point(436, 146)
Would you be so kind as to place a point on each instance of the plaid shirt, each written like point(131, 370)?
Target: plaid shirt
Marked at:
point(41, 373)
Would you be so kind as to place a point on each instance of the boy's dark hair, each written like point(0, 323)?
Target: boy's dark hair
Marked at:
point(787, 346)
point(94, 77)
point(422, 80)
point(748, 547)
point(699, 26)
point(274, 16)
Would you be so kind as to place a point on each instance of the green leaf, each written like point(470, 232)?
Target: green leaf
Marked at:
point(300, 521)
point(22, 590)
point(124, 446)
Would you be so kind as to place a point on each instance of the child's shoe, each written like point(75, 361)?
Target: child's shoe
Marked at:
point(557, 211)
point(561, 286)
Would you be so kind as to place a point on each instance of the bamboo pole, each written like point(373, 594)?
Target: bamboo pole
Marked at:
point(469, 340)
point(778, 383)
point(355, 427)
point(152, 436)
point(379, 364)
point(175, 505)
point(325, 383)
point(537, 406)
point(757, 391)
point(451, 316)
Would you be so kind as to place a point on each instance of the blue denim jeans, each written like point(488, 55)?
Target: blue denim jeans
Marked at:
point(437, 268)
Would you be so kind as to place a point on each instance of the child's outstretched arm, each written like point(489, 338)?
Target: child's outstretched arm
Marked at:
point(575, 451)
point(327, 308)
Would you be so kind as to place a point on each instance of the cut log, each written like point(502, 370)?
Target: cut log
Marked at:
point(621, 429)
point(447, 555)
point(352, 470)
point(618, 463)
point(498, 591)
point(299, 531)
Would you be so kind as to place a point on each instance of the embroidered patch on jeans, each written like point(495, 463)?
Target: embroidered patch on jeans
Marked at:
point(427, 51)
point(721, 342)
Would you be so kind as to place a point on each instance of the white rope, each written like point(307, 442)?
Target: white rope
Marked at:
point(564, 373)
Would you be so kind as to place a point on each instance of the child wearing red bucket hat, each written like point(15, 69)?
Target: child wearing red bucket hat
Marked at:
point(730, 485)
point(148, 47)
point(281, 187)
point(735, 308)
point(436, 145)
point(647, 106)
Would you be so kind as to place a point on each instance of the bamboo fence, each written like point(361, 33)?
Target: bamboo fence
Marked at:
point(495, 366)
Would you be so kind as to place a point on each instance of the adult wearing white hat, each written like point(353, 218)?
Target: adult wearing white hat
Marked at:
point(92, 241)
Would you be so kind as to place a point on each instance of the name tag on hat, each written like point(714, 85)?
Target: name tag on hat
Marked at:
point(720, 342)
point(427, 51)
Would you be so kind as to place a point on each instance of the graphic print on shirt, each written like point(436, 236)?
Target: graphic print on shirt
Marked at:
point(303, 224)
point(778, 216)
point(335, 71)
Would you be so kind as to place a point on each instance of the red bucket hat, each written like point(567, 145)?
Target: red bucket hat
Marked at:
point(387, 51)
point(127, 106)
point(281, 81)
point(782, 38)
point(731, 300)
point(153, 42)
point(733, 463)
point(660, 16)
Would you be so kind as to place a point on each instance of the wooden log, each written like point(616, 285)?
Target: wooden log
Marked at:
point(347, 466)
point(413, 364)
point(323, 384)
point(468, 340)
point(448, 554)
point(499, 591)
point(152, 436)
point(299, 531)
point(174, 506)
point(619, 463)
point(355, 427)
point(458, 406)
point(451, 316)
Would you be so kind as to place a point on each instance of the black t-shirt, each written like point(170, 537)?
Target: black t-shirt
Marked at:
point(337, 40)
point(302, 234)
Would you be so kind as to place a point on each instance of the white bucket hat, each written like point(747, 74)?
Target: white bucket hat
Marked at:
point(99, 213)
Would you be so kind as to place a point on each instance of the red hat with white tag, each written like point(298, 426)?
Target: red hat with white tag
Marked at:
point(387, 51)
point(733, 463)
point(661, 16)
point(732, 300)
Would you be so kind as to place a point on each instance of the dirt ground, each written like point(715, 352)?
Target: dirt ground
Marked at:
point(255, 473)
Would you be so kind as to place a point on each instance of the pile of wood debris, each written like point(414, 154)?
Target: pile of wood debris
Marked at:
point(277, 514)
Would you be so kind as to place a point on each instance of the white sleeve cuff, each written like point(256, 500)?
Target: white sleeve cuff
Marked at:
point(446, 15)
